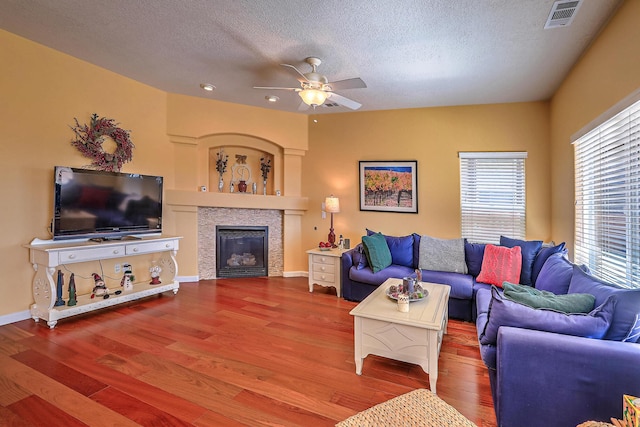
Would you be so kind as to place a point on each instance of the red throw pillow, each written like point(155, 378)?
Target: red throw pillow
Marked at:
point(500, 264)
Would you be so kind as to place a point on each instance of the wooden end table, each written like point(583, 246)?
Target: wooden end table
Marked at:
point(413, 337)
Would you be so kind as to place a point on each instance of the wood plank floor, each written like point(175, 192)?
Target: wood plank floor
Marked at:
point(228, 352)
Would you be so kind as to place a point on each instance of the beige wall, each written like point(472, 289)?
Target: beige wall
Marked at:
point(433, 137)
point(606, 74)
point(42, 91)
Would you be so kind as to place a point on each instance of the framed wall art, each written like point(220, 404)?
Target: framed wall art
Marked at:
point(389, 186)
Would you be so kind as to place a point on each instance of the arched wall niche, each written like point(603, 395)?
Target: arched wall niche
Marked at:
point(254, 148)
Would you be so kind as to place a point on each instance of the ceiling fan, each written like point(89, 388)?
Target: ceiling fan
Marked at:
point(315, 88)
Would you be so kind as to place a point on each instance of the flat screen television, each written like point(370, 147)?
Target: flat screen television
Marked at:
point(105, 205)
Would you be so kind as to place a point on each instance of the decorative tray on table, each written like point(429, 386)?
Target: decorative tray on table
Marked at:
point(418, 292)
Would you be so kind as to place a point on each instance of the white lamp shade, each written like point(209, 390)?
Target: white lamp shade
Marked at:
point(332, 204)
point(313, 96)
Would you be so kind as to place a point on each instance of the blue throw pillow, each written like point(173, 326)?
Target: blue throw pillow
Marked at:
point(416, 250)
point(377, 251)
point(503, 312)
point(401, 248)
point(541, 258)
point(626, 302)
point(555, 275)
point(474, 254)
point(584, 283)
point(359, 257)
point(530, 250)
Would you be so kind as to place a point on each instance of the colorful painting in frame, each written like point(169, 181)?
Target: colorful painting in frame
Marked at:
point(389, 186)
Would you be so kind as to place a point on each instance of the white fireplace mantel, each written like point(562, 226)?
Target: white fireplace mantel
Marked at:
point(235, 200)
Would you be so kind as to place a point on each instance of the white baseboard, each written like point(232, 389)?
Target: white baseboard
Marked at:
point(187, 279)
point(15, 317)
point(295, 274)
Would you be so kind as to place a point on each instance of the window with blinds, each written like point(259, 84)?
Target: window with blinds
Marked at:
point(607, 211)
point(492, 195)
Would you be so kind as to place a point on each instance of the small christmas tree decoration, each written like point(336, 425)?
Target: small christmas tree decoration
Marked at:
point(72, 290)
point(59, 285)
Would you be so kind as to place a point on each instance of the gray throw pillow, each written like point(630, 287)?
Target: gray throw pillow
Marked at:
point(442, 255)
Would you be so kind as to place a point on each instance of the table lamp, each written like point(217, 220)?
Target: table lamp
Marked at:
point(332, 205)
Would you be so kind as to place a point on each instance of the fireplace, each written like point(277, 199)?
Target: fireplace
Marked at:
point(242, 251)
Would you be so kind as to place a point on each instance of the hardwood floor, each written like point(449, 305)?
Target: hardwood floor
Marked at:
point(228, 352)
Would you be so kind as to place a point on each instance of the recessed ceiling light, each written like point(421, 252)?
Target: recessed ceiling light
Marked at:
point(208, 87)
point(272, 98)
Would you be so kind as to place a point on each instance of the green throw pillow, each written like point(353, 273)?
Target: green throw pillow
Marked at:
point(377, 251)
point(536, 298)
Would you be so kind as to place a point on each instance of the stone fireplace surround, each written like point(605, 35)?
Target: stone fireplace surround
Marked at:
point(209, 217)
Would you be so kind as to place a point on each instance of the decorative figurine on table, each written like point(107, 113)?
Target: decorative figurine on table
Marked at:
point(155, 275)
point(100, 288)
point(72, 291)
point(127, 278)
point(59, 285)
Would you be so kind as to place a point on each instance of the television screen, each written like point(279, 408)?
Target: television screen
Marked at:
point(105, 205)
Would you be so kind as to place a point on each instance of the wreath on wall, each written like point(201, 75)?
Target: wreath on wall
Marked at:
point(89, 139)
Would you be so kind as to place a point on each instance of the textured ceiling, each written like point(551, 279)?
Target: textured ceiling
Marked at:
point(410, 54)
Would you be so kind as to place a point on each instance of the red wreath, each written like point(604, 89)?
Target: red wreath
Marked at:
point(89, 139)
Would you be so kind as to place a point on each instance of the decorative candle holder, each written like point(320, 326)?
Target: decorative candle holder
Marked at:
point(403, 303)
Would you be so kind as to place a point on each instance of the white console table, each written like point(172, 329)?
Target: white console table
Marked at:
point(48, 256)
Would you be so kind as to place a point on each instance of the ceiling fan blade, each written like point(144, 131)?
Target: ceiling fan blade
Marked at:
point(355, 83)
point(297, 71)
point(278, 88)
point(345, 102)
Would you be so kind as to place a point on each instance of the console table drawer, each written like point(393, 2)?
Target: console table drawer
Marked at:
point(149, 247)
point(90, 254)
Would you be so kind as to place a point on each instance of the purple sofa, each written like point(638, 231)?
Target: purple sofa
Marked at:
point(546, 368)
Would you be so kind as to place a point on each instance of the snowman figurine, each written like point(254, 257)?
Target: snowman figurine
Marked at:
point(155, 275)
point(127, 278)
point(100, 287)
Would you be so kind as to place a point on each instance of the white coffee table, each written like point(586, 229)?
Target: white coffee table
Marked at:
point(413, 337)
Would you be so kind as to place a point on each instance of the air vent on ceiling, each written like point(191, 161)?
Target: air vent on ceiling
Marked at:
point(562, 13)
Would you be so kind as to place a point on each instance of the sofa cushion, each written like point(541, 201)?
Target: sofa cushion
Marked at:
point(461, 284)
point(500, 264)
point(626, 301)
point(442, 255)
point(474, 253)
point(582, 282)
point(483, 299)
point(377, 251)
point(529, 250)
point(535, 298)
point(366, 275)
point(555, 275)
point(503, 312)
point(401, 248)
point(416, 250)
point(544, 253)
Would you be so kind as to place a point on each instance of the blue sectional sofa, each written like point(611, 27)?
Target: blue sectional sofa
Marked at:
point(546, 368)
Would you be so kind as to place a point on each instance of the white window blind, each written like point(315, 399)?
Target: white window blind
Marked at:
point(492, 195)
point(607, 211)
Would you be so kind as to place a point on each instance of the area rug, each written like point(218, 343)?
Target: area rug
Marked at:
point(417, 408)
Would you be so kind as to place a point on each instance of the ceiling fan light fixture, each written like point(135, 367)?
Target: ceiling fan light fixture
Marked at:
point(313, 97)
